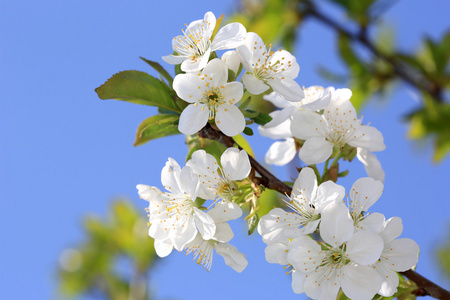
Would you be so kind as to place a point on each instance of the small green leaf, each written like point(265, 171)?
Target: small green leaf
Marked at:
point(252, 223)
point(248, 113)
point(159, 69)
point(231, 76)
point(248, 131)
point(156, 127)
point(241, 141)
point(262, 119)
point(137, 87)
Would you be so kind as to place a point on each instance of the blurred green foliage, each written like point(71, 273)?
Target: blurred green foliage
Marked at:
point(443, 255)
point(374, 64)
point(119, 243)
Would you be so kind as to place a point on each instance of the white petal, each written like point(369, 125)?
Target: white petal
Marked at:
point(305, 186)
point(210, 22)
point(204, 223)
point(235, 164)
point(276, 253)
point(285, 57)
point(373, 222)
point(225, 211)
point(169, 176)
point(391, 229)
point(360, 282)
point(328, 192)
point(369, 138)
point(215, 72)
point(230, 36)
point(174, 59)
point(311, 102)
point(280, 116)
point(158, 231)
point(163, 247)
point(390, 280)
point(323, 284)
point(371, 164)
point(281, 153)
point(315, 150)
point(251, 50)
point(223, 233)
point(232, 60)
point(287, 88)
point(336, 226)
point(298, 282)
point(307, 124)
point(232, 256)
point(188, 182)
point(148, 193)
point(232, 92)
point(194, 65)
point(272, 227)
point(193, 118)
point(402, 254)
point(280, 131)
point(305, 254)
point(364, 193)
point(229, 119)
point(253, 84)
point(365, 247)
point(183, 235)
point(277, 100)
point(188, 87)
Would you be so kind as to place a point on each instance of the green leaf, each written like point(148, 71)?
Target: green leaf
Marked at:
point(262, 119)
point(159, 69)
point(231, 76)
point(137, 87)
point(248, 131)
point(156, 127)
point(241, 141)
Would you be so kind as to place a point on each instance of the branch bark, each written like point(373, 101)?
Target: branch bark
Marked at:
point(268, 180)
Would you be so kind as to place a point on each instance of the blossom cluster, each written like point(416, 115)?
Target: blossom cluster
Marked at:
point(358, 252)
point(177, 216)
point(325, 244)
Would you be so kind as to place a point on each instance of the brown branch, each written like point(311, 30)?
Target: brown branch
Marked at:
point(268, 180)
point(409, 75)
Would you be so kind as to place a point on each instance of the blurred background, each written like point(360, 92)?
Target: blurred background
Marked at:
point(71, 221)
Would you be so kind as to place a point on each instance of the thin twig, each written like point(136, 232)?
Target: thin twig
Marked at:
point(269, 180)
point(409, 75)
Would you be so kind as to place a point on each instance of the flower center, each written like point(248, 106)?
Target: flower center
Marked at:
point(213, 98)
point(335, 258)
point(194, 43)
point(341, 128)
point(266, 69)
point(225, 189)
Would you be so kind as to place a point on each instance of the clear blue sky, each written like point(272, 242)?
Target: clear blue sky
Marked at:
point(65, 153)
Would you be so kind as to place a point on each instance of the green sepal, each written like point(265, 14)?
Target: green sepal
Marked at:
point(231, 76)
point(137, 87)
point(253, 223)
point(155, 127)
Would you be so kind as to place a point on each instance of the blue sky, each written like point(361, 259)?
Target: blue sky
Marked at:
point(65, 153)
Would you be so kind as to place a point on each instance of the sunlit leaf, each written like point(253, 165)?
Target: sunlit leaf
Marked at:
point(155, 127)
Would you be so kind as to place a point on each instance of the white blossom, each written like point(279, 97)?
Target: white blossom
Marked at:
point(174, 217)
point(398, 255)
point(217, 182)
point(281, 152)
point(210, 97)
point(334, 129)
point(266, 68)
point(306, 202)
point(342, 261)
point(194, 47)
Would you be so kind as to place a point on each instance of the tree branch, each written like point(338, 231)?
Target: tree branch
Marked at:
point(268, 180)
point(409, 75)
